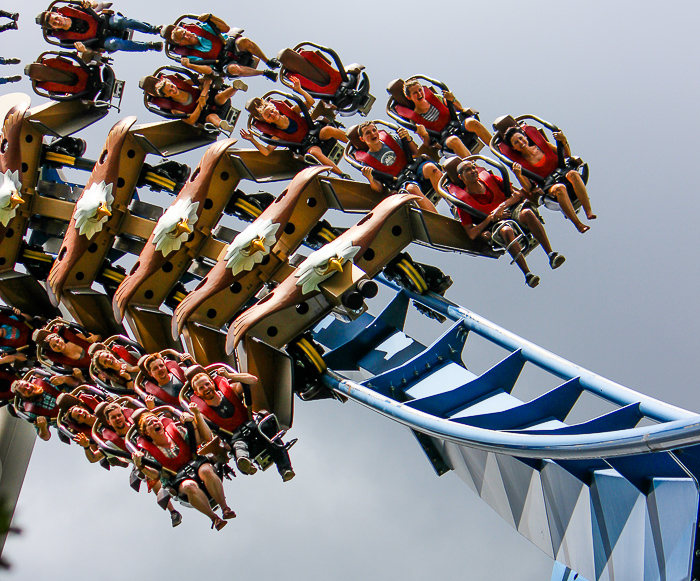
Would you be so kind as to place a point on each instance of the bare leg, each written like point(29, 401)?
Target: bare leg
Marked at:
point(528, 218)
point(214, 119)
point(455, 144)
point(213, 484)
point(431, 172)
point(329, 132)
point(475, 126)
point(225, 95)
point(515, 250)
point(581, 193)
point(245, 44)
point(198, 499)
point(423, 203)
point(315, 150)
point(241, 71)
point(562, 196)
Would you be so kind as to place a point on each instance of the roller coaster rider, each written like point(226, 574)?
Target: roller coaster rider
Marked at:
point(280, 122)
point(433, 111)
point(206, 45)
point(167, 442)
point(485, 193)
point(541, 158)
point(386, 154)
point(221, 399)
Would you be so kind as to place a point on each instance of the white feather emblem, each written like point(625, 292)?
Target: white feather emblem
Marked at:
point(93, 209)
point(251, 246)
point(9, 196)
point(323, 263)
point(175, 226)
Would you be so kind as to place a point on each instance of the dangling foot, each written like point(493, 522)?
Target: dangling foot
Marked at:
point(156, 46)
point(591, 216)
point(287, 475)
point(273, 63)
point(239, 85)
point(228, 513)
point(556, 260)
point(582, 228)
point(532, 280)
point(246, 466)
point(218, 523)
point(270, 74)
point(175, 518)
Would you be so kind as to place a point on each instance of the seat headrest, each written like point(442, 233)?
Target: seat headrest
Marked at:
point(193, 370)
point(167, 33)
point(43, 73)
point(395, 89)
point(65, 401)
point(502, 124)
point(95, 347)
point(100, 412)
point(148, 84)
point(450, 167)
point(354, 138)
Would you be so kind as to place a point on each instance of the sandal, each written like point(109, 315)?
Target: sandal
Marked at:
point(218, 524)
point(228, 513)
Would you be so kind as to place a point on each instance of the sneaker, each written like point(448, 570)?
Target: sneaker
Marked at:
point(532, 280)
point(156, 46)
point(270, 74)
point(175, 518)
point(225, 126)
point(556, 260)
point(12, 61)
point(14, 16)
point(246, 466)
point(13, 25)
point(345, 176)
point(287, 475)
point(158, 29)
point(239, 85)
point(13, 79)
point(273, 63)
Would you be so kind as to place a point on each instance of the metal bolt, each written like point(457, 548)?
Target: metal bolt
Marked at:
point(416, 373)
point(403, 380)
point(427, 365)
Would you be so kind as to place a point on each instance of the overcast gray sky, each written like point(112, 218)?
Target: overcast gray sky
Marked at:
point(620, 80)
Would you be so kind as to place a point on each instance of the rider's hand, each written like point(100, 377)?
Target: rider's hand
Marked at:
point(82, 441)
point(403, 133)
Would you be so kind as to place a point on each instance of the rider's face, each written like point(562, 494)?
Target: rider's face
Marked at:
point(58, 21)
point(269, 113)
point(518, 141)
point(116, 419)
point(183, 37)
point(203, 386)
point(370, 133)
point(416, 93)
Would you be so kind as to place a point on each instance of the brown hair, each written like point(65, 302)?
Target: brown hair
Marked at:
point(141, 426)
point(407, 86)
point(254, 107)
point(361, 127)
point(110, 407)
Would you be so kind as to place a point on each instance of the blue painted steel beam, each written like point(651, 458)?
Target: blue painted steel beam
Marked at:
point(591, 382)
point(662, 437)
